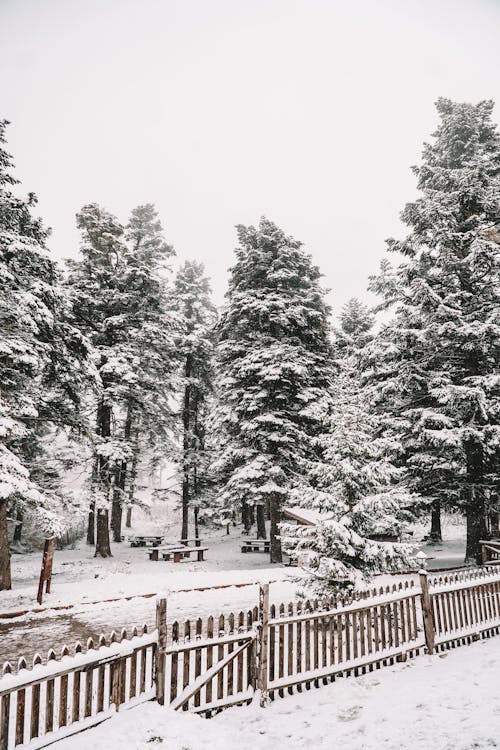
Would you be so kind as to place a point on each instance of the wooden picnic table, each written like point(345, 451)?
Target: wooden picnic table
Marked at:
point(145, 540)
point(256, 545)
point(178, 553)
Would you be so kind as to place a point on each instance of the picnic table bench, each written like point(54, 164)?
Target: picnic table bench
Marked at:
point(178, 553)
point(144, 540)
point(256, 545)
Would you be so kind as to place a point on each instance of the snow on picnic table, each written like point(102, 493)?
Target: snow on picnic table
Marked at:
point(448, 701)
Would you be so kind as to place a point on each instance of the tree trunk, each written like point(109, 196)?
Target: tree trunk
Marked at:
point(132, 479)
point(117, 512)
point(91, 525)
point(106, 481)
point(436, 535)
point(5, 579)
point(275, 514)
point(494, 524)
point(102, 548)
point(476, 530)
point(475, 506)
point(18, 527)
point(196, 528)
point(245, 517)
point(186, 446)
point(261, 522)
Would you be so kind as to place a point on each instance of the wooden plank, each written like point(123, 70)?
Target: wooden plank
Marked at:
point(197, 660)
point(20, 712)
point(263, 651)
point(290, 641)
point(298, 640)
point(174, 671)
point(186, 660)
point(35, 703)
point(272, 643)
point(239, 662)
point(281, 658)
point(340, 645)
point(161, 663)
point(210, 652)
point(427, 613)
point(220, 656)
point(5, 715)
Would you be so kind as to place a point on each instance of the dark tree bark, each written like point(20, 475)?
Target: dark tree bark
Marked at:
point(119, 486)
point(435, 534)
point(494, 524)
point(103, 547)
point(132, 479)
point(196, 527)
point(275, 514)
point(106, 480)
point(5, 578)
point(261, 522)
point(186, 446)
point(18, 528)
point(475, 506)
point(91, 525)
point(245, 517)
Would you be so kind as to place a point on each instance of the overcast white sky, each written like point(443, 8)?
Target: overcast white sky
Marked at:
point(218, 111)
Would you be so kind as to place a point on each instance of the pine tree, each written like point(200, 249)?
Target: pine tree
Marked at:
point(43, 364)
point(437, 361)
point(357, 491)
point(119, 291)
point(196, 344)
point(356, 323)
point(274, 361)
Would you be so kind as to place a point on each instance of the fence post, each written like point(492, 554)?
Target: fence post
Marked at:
point(262, 651)
point(425, 599)
point(161, 624)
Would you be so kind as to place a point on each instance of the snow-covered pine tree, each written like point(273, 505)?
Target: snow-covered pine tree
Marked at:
point(43, 365)
point(120, 295)
point(196, 345)
point(357, 492)
point(436, 363)
point(274, 367)
point(355, 331)
point(151, 348)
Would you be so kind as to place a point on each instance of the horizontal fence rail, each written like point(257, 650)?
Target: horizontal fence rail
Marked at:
point(61, 697)
point(206, 664)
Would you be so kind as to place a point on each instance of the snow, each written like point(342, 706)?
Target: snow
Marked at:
point(448, 701)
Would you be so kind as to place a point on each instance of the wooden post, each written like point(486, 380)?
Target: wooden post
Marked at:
point(46, 571)
point(262, 651)
point(161, 624)
point(425, 598)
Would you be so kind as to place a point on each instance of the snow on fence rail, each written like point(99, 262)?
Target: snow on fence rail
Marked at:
point(206, 664)
point(465, 605)
point(61, 697)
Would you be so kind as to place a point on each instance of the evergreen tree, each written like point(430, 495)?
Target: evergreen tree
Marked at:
point(43, 364)
point(357, 492)
point(196, 344)
point(119, 291)
point(274, 361)
point(436, 363)
point(356, 322)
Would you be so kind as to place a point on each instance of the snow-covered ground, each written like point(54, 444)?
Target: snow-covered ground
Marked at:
point(449, 701)
point(79, 579)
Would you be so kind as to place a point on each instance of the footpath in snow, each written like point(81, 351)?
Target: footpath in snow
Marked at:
point(448, 701)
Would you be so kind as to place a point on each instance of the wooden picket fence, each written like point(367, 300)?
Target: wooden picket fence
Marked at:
point(206, 664)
